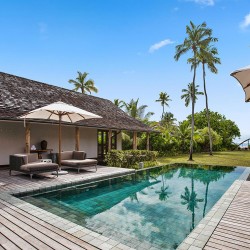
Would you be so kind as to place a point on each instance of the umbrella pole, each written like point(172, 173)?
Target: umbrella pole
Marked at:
point(59, 136)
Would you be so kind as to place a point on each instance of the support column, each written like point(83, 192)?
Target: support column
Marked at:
point(27, 138)
point(109, 139)
point(77, 138)
point(147, 141)
point(134, 140)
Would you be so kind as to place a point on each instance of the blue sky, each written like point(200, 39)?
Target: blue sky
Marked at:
point(127, 46)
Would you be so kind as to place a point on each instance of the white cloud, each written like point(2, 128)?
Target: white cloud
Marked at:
point(246, 22)
point(204, 2)
point(159, 45)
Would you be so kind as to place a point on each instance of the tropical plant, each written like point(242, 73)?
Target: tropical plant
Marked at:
point(137, 112)
point(189, 93)
point(85, 86)
point(119, 103)
point(205, 133)
point(183, 135)
point(197, 37)
point(163, 99)
point(168, 120)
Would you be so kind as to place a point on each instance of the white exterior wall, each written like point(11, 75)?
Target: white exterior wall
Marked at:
point(12, 138)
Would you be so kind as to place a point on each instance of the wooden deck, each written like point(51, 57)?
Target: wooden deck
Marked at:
point(24, 226)
point(20, 230)
point(233, 230)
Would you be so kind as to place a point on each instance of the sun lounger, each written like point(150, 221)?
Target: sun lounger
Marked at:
point(77, 159)
point(30, 164)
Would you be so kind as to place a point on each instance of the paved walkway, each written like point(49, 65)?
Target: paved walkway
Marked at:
point(24, 226)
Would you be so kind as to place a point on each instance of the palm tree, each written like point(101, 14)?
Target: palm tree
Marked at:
point(136, 112)
point(208, 56)
point(183, 135)
point(189, 93)
point(119, 103)
point(197, 37)
point(163, 99)
point(82, 84)
point(168, 120)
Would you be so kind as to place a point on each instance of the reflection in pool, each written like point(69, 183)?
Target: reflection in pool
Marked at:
point(155, 208)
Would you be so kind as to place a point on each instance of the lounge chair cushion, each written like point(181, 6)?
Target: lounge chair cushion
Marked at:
point(78, 163)
point(79, 155)
point(66, 155)
point(32, 158)
point(39, 166)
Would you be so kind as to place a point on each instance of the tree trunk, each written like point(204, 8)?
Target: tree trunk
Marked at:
point(192, 125)
point(208, 116)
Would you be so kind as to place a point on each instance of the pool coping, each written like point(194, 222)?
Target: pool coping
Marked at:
point(198, 238)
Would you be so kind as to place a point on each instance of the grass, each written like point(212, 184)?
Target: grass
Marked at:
point(228, 158)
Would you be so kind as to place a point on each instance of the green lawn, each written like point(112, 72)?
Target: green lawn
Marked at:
point(229, 158)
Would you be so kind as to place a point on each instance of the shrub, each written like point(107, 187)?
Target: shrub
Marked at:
point(130, 158)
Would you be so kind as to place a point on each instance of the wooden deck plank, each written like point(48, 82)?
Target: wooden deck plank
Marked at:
point(5, 243)
point(209, 248)
point(233, 238)
point(28, 233)
point(238, 221)
point(48, 236)
point(232, 232)
point(235, 224)
point(214, 245)
point(14, 238)
point(62, 236)
point(221, 241)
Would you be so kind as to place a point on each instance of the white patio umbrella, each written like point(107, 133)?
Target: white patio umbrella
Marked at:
point(60, 111)
point(243, 77)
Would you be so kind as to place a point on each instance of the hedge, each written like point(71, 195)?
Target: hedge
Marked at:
point(130, 158)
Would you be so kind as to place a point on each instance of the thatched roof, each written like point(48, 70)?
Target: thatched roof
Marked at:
point(20, 95)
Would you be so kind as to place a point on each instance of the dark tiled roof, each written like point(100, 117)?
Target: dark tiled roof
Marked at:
point(20, 95)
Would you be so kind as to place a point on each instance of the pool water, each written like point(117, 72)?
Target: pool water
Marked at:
point(153, 209)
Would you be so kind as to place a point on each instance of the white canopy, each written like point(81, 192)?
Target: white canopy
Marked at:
point(67, 112)
point(243, 77)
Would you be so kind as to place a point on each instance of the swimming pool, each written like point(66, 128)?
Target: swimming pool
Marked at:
point(155, 208)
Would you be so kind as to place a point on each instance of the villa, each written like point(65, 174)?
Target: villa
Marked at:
point(95, 136)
